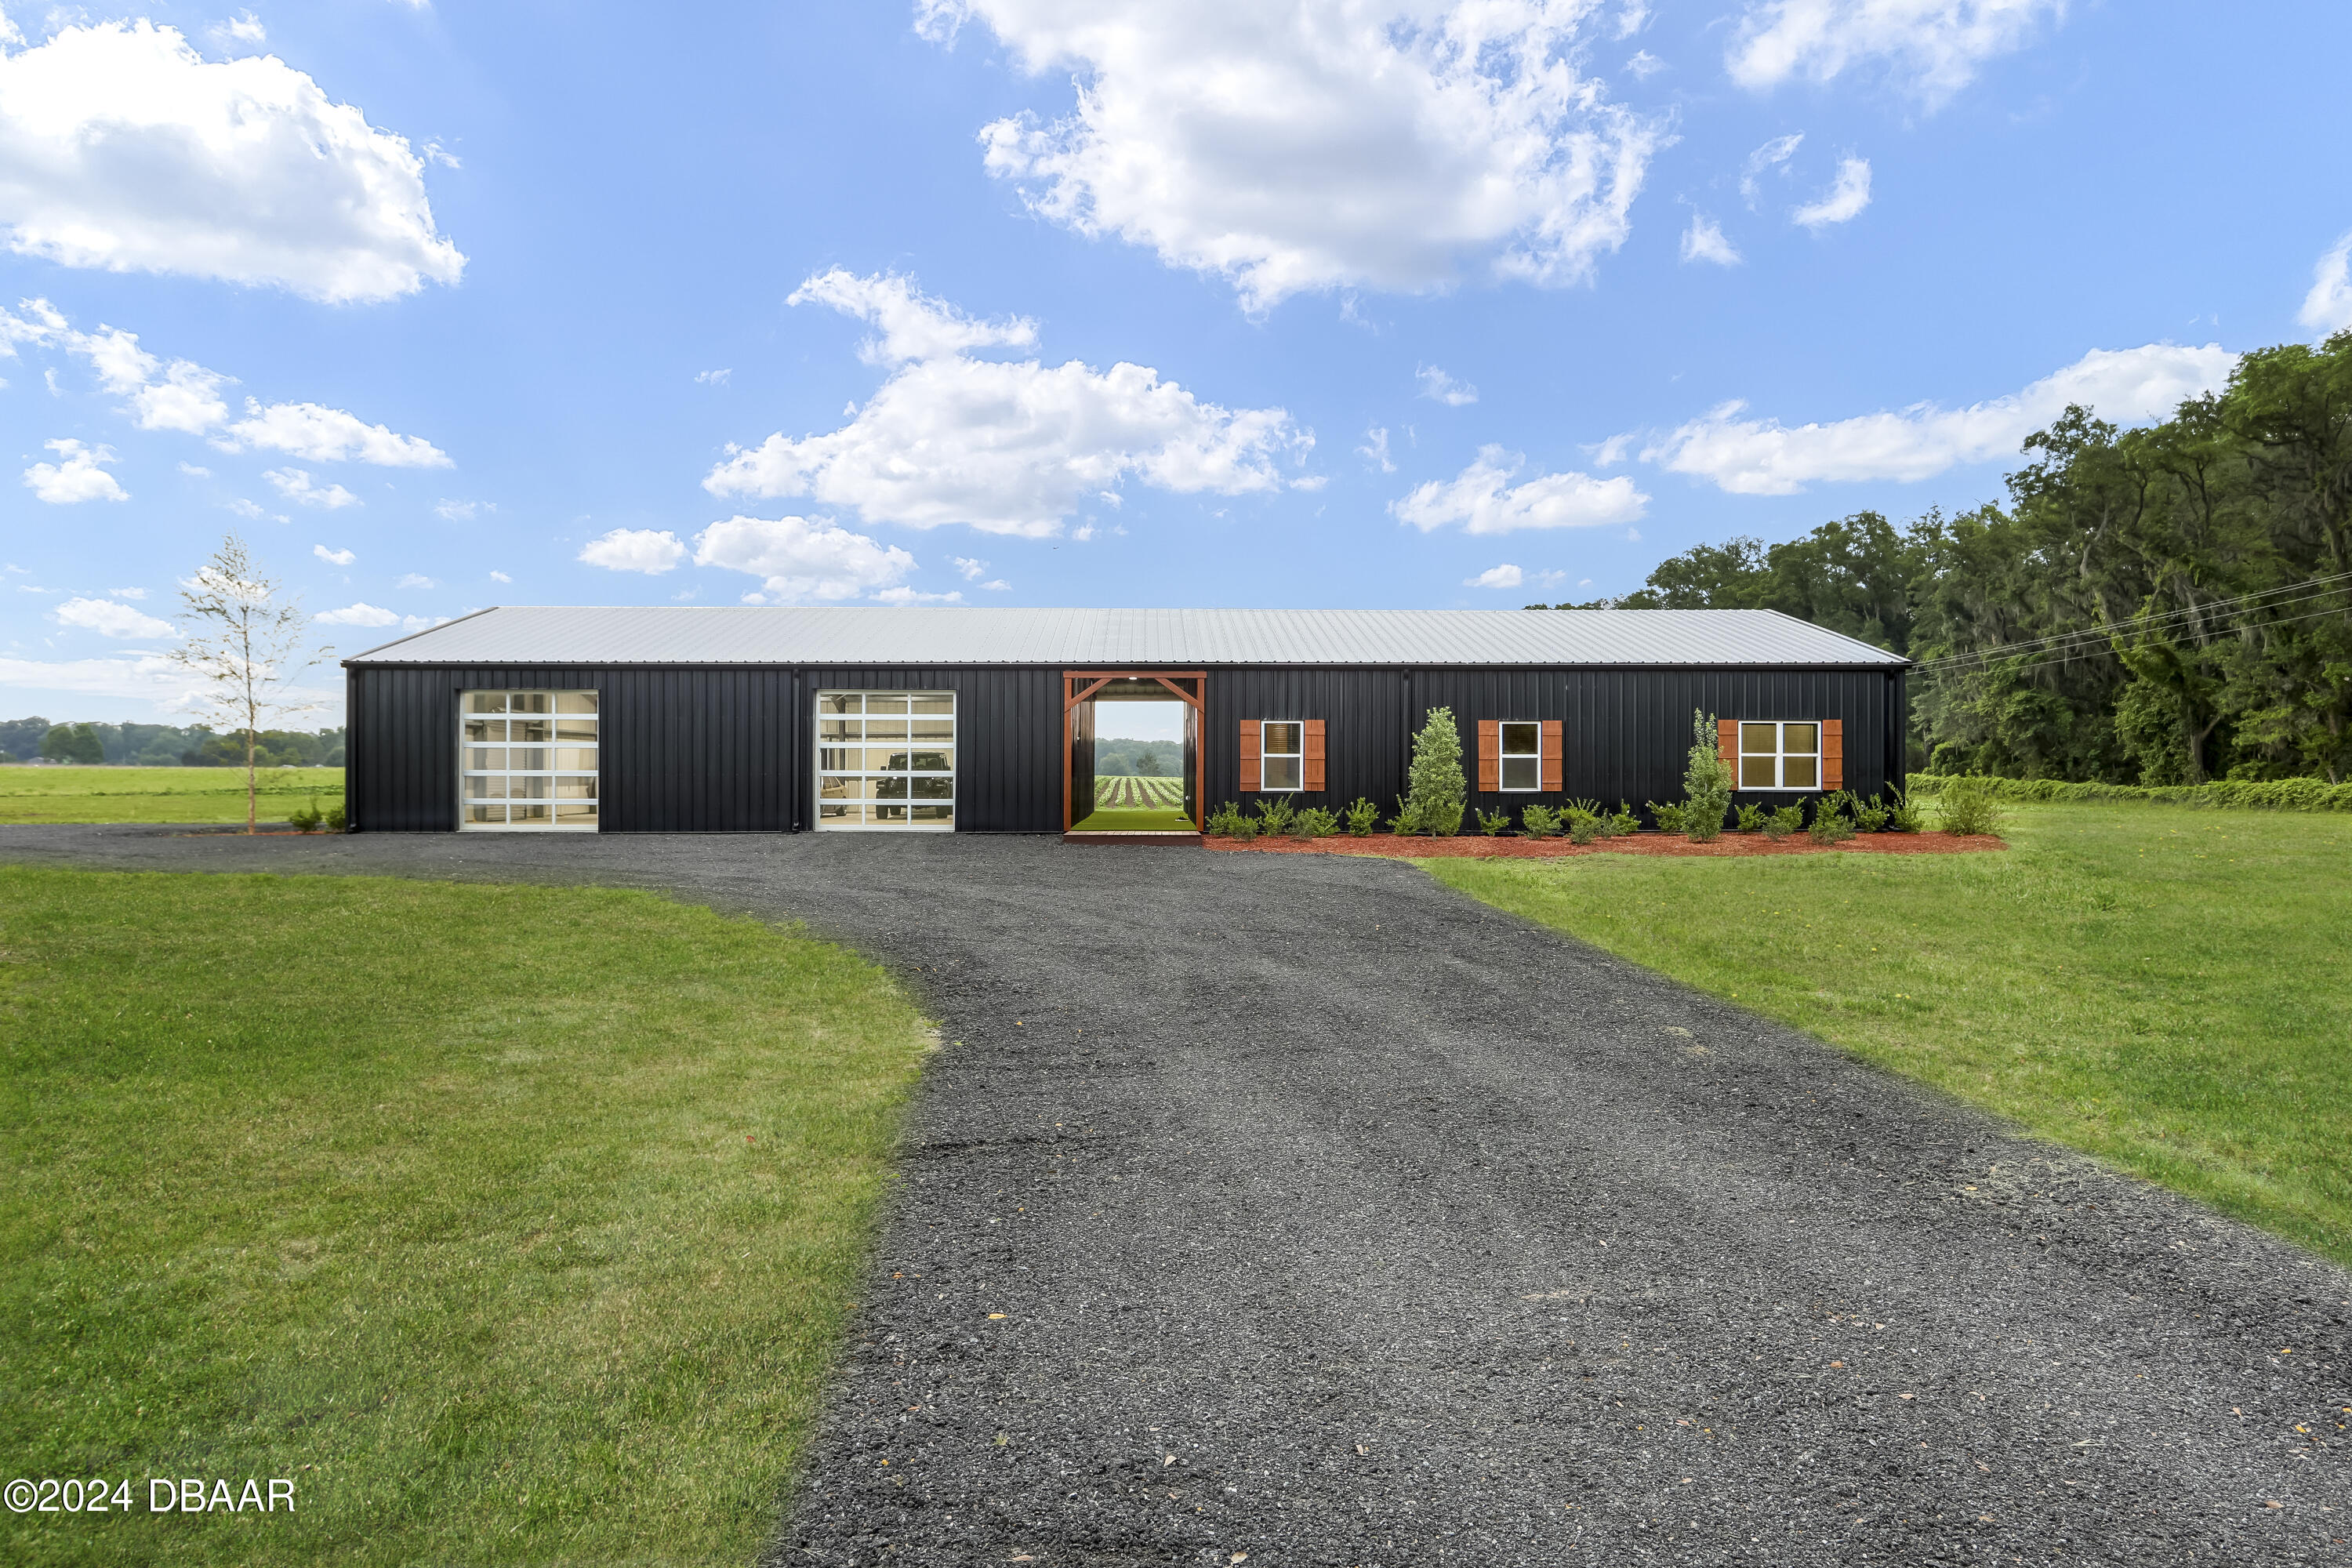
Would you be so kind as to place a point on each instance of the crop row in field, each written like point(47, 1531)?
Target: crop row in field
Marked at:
point(1116, 793)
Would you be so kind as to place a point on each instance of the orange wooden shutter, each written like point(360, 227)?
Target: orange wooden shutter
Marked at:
point(1251, 775)
point(1727, 741)
point(1490, 754)
point(1314, 761)
point(1834, 753)
point(1551, 744)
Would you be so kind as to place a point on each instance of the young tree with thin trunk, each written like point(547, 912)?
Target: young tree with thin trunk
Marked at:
point(242, 640)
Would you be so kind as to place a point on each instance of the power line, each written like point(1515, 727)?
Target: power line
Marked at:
point(2093, 651)
point(2246, 606)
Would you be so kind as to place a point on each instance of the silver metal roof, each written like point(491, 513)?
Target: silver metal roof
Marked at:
point(1106, 639)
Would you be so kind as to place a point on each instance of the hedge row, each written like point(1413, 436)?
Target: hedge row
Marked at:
point(2275, 795)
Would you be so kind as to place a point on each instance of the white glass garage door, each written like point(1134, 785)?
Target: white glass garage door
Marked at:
point(528, 760)
point(886, 760)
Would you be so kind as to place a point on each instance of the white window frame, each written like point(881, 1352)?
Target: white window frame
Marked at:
point(1265, 755)
point(1779, 756)
point(1503, 759)
point(473, 747)
point(837, 743)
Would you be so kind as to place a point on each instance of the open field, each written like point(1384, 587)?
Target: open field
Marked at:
point(1139, 794)
point(159, 795)
point(514, 1224)
point(2164, 988)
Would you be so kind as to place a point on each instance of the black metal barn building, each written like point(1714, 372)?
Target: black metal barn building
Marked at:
point(784, 719)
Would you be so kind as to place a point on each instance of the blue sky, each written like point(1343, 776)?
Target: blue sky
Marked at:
point(1331, 302)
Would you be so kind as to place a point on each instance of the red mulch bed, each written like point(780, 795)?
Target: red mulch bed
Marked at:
point(1479, 847)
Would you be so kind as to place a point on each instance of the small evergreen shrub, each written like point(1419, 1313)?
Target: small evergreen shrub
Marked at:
point(1435, 786)
point(1777, 825)
point(1584, 829)
point(1751, 818)
point(1539, 822)
point(1244, 828)
point(1363, 818)
point(1968, 806)
point(1871, 816)
point(1668, 817)
point(336, 821)
point(1830, 824)
point(305, 818)
point(1625, 822)
point(1274, 813)
point(1406, 821)
point(1903, 815)
point(1494, 825)
point(1220, 821)
point(1706, 783)
point(1314, 822)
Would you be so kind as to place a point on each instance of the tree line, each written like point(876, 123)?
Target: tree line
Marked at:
point(2161, 605)
point(166, 745)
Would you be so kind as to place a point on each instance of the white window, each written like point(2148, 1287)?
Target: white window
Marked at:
point(527, 760)
point(886, 760)
point(1282, 756)
point(1522, 755)
point(1774, 755)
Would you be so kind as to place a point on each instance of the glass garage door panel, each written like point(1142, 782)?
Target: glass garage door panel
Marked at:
point(886, 760)
point(527, 760)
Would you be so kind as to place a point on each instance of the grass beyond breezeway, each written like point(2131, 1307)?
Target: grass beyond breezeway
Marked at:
point(159, 795)
point(1133, 819)
point(2167, 989)
point(513, 1225)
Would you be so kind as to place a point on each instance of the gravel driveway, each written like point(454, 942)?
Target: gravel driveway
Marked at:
point(1298, 1207)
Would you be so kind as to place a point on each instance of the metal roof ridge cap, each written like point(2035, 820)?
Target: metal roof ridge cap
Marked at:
point(345, 663)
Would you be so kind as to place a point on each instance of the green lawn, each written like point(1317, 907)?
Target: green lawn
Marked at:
point(514, 1225)
point(1134, 819)
point(2165, 988)
point(159, 795)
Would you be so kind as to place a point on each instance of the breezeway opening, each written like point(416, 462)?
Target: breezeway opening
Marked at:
point(1134, 752)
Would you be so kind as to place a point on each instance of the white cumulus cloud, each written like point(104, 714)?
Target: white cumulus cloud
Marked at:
point(1289, 145)
point(1483, 499)
point(1440, 387)
point(1010, 447)
point(359, 614)
point(416, 580)
point(320, 435)
point(1763, 456)
point(123, 149)
point(297, 486)
point(650, 550)
point(2328, 307)
point(1704, 241)
point(913, 325)
point(1504, 576)
point(77, 477)
point(800, 558)
point(108, 618)
point(1844, 200)
point(332, 557)
point(1935, 47)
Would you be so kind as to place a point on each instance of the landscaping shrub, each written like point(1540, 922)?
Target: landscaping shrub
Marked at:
point(1314, 822)
point(1274, 814)
point(1220, 821)
point(1777, 825)
point(1830, 824)
point(2270, 795)
point(1870, 817)
point(336, 821)
point(1436, 793)
point(1539, 822)
point(305, 818)
point(1751, 818)
point(1583, 828)
point(1669, 817)
point(1968, 806)
point(1363, 818)
point(1243, 827)
point(1707, 784)
point(1495, 825)
point(1625, 822)
point(1902, 815)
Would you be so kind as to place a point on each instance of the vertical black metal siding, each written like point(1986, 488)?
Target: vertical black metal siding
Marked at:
point(723, 749)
